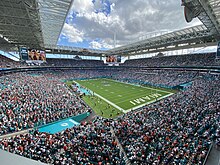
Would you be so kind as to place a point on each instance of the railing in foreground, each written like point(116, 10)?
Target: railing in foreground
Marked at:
point(207, 155)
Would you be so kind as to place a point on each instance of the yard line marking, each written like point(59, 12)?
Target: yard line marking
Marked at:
point(139, 106)
point(140, 86)
point(133, 93)
point(109, 102)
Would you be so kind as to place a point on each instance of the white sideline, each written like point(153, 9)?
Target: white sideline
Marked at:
point(109, 102)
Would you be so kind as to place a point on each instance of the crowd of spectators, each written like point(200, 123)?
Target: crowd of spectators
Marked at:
point(73, 62)
point(168, 78)
point(176, 130)
point(28, 100)
point(77, 74)
point(7, 62)
point(207, 59)
point(87, 144)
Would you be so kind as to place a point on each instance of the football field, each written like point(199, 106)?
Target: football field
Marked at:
point(123, 96)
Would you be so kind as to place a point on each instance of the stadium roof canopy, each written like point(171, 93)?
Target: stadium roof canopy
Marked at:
point(207, 11)
point(33, 23)
point(20, 24)
point(38, 24)
point(69, 50)
point(53, 14)
point(197, 36)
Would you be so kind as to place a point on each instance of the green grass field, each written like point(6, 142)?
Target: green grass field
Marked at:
point(101, 107)
point(120, 96)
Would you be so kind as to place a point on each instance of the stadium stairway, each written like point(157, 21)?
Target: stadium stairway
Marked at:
point(15, 133)
point(120, 146)
point(214, 157)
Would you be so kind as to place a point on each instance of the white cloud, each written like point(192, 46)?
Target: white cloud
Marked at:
point(106, 45)
point(98, 4)
point(95, 45)
point(82, 6)
point(100, 45)
point(72, 34)
point(129, 19)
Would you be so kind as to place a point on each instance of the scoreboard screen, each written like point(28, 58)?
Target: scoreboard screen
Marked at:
point(34, 54)
point(113, 59)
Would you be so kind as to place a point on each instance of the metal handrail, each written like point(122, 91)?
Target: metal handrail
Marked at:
point(207, 155)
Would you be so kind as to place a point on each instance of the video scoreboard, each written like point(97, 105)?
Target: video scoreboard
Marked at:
point(32, 54)
point(113, 60)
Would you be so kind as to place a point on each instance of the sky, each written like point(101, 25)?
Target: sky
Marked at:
point(93, 23)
